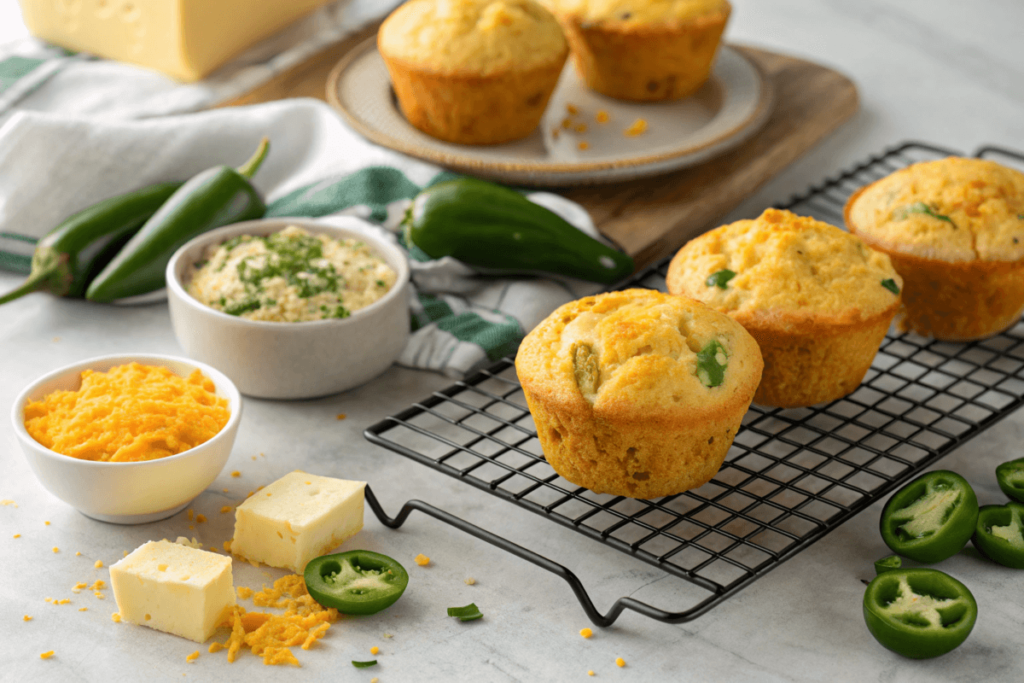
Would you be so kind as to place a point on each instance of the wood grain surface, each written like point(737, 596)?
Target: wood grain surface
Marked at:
point(652, 217)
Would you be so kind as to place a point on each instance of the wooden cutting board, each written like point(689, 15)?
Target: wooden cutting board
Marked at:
point(652, 217)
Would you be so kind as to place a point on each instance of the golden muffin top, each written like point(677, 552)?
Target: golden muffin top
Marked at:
point(783, 269)
point(476, 36)
point(952, 209)
point(638, 11)
point(641, 352)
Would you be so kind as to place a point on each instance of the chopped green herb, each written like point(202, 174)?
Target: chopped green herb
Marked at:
point(891, 285)
point(468, 613)
point(364, 665)
point(711, 364)
point(241, 307)
point(905, 212)
point(720, 278)
point(1020, 216)
point(381, 283)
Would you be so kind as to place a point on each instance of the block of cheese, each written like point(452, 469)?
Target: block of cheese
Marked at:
point(298, 517)
point(186, 39)
point(174, 588)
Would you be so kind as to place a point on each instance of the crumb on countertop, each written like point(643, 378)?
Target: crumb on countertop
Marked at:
point(422, 560)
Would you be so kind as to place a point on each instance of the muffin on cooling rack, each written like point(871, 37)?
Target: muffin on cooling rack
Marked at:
point(954, 229)
point(816, 299)
point(637, 393)
point(643, 50)
point(477, 72)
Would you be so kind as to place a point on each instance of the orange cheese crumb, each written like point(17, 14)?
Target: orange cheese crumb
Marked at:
point(244, 593)
point(215, 647)
point(192, 657)
point(99, 564)
point(566, 123)
point(638, 127)
point(586, 632)
point(224, 490)
point(602, 116)
point(46, 523)
point(78, 554)
point(17, 535)
point(129, 413)
point(620, 662)
point(8, 501)
point(572, 109)
point(422, 560)
point(590, 673)
point(191, 514)
point(83, 609)
point(470, 581)
point(583, 145)
point(342, 416)
point(63, 602)
point(115, 617)
point(236, 474)
point(56, 549)
point(77, 588)
point(46, 655)
point(200, 519)
point(227, 546)
point(374, 650)
point(26, 618)
point(98, 585)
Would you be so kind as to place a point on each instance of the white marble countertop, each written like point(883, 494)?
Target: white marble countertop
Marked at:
point(941, 71)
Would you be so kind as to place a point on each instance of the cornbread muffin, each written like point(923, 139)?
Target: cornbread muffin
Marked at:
point(643, 50)
point(477, 72)
point(954, 229)
point(816, 299)
point(637, 393)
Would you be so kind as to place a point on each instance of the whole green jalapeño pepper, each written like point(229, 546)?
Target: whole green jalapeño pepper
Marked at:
point(1010, 476)
point(931, 518)
point(999, 534)
point(919, 613)
point(356, 582)
point(218, 196)
point(498, 230)
point(74, 252)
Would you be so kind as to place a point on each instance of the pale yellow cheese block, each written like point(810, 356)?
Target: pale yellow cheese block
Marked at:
point(174, 588)
point(298, 517)
point(186, 39)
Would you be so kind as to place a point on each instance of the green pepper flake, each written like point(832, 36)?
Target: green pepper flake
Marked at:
point(891, 285)
point(364, 665)
point(720, 278)
point(711, 364)
point(905, 212)
point(468, 613)
point(888, 564)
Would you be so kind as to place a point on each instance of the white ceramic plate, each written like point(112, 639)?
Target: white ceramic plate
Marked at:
point(730, 108)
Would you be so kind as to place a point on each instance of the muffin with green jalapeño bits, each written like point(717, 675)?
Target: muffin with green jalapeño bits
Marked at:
point(637, 393)
point(817, 300)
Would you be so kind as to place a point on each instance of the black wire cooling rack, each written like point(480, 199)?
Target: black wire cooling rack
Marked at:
point(790, 477)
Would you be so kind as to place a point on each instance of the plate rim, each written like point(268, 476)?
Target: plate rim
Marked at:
point(652, 163)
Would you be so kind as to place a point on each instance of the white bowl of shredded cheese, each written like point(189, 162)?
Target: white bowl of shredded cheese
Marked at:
point(136, 492)
point(290, 308)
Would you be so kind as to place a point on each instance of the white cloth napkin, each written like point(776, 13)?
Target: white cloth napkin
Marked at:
point(53, 165)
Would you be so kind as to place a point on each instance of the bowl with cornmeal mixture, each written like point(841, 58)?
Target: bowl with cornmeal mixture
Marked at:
point(477, 72)
point(817, 300)
point(643, 50)
point(637, 393)
point(954, 229)
point(112, 440)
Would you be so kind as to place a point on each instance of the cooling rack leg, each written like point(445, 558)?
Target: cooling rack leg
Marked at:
point(532, 557)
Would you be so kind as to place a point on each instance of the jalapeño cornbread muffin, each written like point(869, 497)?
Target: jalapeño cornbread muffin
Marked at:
point(954, 229)
point(816, 299)
point(637, 393)
point(477, 72)
point(643, 50)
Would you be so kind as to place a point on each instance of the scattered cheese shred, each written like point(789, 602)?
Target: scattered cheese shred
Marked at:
point(200, 519)
point(236, 474)
point(271, 636)
point(46, 523)
point(83, 609)
point(470, 581)
point(638, 127)
point(602, 116)
point(225, 490)
point(77, 588)
point(191, 514)
point(374, 650)
point(56, 549)
point(115, 617)
point(8, 501)
point(422, 560)
point(374, 680)
point(566, 123)
point(17, 535)
point(98, 585)
point(46, 655)
point(586, 632)
point(26, 618)
point(342, 416)
point(590, 673)
point(572, 109)
point(192, 657)
point(620, 662)
point(65, 601)
point(244, 593)
point(78, 554)
point(99, 564)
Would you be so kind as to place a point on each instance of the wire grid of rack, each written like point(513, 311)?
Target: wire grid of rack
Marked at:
point(790, 477)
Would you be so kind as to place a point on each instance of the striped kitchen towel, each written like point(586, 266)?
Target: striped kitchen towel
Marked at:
point(317, 167)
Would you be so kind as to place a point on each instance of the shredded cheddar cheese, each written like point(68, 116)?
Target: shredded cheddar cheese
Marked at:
point(374, 650)
point(638, 127)
point(236, 474)
point(17, 535)
point(470, 581)
point(56, 549)
point(342, 416)
point(192, 657)
point(602, 116)
point(46, 655)
point(200, 519)
point(129, 413)
point(26, 618)
point(99, 564)
point(115, 617)
point(244, 593)
point(583, 145)
point(422, 560)
point(620, 662)
point(586, 632)
point(572, 109)
point(8, 501)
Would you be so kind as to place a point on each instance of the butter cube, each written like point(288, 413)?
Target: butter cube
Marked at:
point(298, 517)
point(174, 588)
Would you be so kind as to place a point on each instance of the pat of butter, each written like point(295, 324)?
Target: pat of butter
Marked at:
point(298, 517)
point(174, 588)
point(186, 39)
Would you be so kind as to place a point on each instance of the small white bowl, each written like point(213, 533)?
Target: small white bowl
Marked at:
point(128, 492)
point(291, 360)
